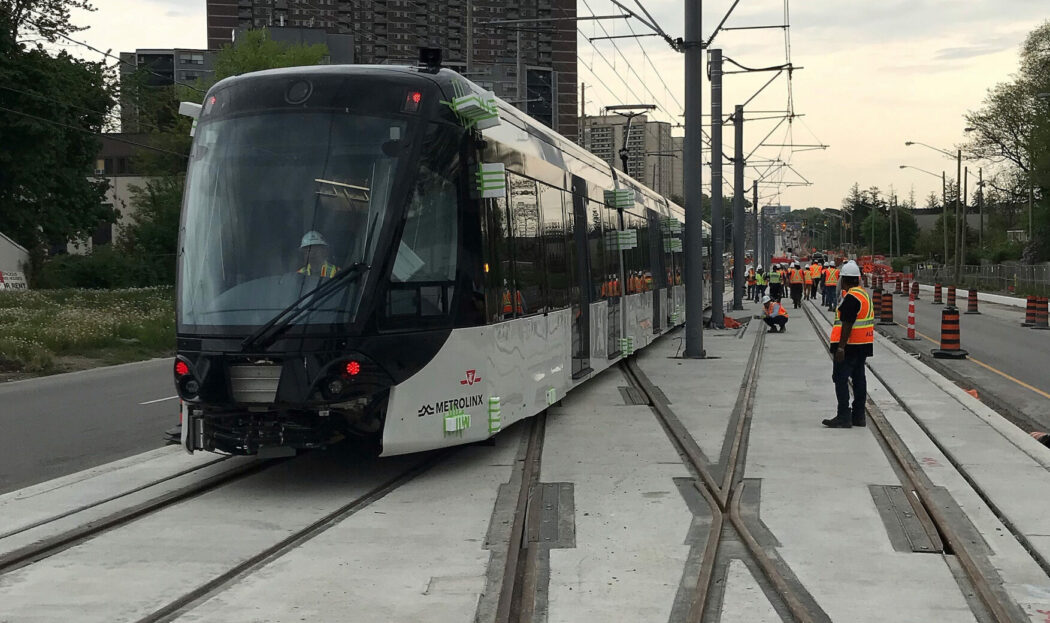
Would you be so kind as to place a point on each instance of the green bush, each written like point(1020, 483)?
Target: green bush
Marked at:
point(104, 268)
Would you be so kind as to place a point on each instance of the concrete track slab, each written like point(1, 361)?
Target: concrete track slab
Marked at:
point(1024, 580)
point(417, 554)
point(631, 522)
point(816, 501)
point(128, 573)
point(744, 601)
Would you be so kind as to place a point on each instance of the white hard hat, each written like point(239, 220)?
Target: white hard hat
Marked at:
point(759, 267)
point(766, 299)
point(831, 264)
point(850, 269)
point(311, 238)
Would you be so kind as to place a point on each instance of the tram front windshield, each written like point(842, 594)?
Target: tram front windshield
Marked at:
point(278, 202)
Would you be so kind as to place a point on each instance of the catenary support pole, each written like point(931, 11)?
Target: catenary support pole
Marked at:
point(692, 167)
point(944, 222)
point(962, 240)
point(756, 253)
point(739, 226)
point(714, 69)
point(957, 263)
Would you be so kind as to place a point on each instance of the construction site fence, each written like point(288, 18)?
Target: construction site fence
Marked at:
point(1015, 279)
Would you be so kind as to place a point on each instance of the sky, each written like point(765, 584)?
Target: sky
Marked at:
point(873, 74)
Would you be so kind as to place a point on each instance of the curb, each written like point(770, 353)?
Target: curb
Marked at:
point(1011, 301)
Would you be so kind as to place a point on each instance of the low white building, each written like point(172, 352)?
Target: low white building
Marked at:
point(14, 258)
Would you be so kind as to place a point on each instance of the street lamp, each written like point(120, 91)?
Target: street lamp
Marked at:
point(957, 264)
point(628, 108)
point(944, 203)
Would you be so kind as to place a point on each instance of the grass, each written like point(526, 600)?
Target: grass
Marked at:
point(49, 331)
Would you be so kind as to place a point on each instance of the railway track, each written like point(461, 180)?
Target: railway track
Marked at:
point(177, 601)
point(723, 496)
point(999, 607)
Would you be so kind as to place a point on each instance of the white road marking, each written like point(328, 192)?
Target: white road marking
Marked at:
point(149, 402)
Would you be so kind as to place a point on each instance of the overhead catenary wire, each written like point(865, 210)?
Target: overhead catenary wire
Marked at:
point(89, 131)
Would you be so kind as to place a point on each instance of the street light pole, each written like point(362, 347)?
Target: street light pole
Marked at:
point(958, 200)
point(692, 166)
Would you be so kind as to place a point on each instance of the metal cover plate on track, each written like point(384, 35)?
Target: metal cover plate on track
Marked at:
point(904, 529)
point(633, 397)
point(556, 527)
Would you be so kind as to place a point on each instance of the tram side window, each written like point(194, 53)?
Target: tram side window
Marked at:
point(600, 276)
point(499, 278)
point(636, 260)
point(527, 233)
point(559, 270)
point(612, 260)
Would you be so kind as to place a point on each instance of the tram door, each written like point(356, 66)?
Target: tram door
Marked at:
point(581, 295)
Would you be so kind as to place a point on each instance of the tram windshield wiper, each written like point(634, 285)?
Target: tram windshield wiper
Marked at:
point(266, 334)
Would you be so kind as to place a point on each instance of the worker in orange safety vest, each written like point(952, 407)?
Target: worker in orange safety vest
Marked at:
point(852, 339)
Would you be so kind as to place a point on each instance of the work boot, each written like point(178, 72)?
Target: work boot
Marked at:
point(859, 421)
point(837, 422)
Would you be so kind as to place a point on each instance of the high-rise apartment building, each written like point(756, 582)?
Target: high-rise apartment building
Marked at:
point(159, 68)
point(500, 44)
point(654, 156)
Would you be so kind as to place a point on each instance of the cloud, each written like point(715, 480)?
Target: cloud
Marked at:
point(950, 54)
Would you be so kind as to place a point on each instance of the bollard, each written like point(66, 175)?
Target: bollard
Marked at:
point(937, 294)
point(886, 315)
point(897, 284)
point(950, 348)
point(971, 302)
point(907, 287)
point(1041, 314)
point(1031, 310)
point(911, 321)
point(915, 290)
point(951, 296)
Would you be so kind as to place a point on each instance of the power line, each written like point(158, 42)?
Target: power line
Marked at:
point(87, 131)
point(107, 115)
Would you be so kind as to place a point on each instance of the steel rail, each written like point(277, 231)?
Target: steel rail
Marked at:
point(723, 497)
point(50, 546)
point(954, 543)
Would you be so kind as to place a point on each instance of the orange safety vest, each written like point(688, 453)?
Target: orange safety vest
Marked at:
point(808, 276)
point(864, 328)
point(518, 300)
point(795, 275)
point(751, 277)
point(832, 277)
point(648, 281)
point(815, 271)
point(776, 309)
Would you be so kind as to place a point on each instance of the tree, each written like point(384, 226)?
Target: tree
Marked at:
point(54, 107)
point(47, 18)
point(255, 51)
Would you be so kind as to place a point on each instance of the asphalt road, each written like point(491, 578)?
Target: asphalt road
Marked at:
point(1008, 364)
point(56, 425)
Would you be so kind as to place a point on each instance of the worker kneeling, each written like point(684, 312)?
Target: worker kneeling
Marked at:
point(776, 316)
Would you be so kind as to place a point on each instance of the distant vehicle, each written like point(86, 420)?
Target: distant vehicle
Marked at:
point(453, 299)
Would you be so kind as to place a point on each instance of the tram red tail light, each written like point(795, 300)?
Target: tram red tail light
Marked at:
point(353, 368)
point(412, 101)
point(181, 369)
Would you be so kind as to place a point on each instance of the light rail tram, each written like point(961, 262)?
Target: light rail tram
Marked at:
point(395, 254)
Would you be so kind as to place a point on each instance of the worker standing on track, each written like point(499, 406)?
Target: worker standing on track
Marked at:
point(852, 337)
point(831, 286)
point(776, 283)
point(760, 284)
point(751, 283)
point(776, 317)
point(816, 270)
point(807, 276)
point(797, 280)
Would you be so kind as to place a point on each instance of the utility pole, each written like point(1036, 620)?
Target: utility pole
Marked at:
point(962, 242)
point(739, 228)
point(944, 217)
point(583, 101)
point(980, 205)
point(692, 166)
point(889, 214)
point(521, 72)
point(957, 264)
point(897, 218)
point(714, 69)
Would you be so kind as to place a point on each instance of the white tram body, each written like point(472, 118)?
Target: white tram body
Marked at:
point(484, 266)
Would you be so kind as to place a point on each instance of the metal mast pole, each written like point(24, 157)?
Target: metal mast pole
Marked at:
point(717, 221)
point(739, 227)
point(897, 219)
point(470, 36)
point(692, 167)
point(956, 264)
point(520, 78)
point(757, 254)
point(962, 242)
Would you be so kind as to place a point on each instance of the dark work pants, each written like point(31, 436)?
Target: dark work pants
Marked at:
point(796, 294)
point(777, 321)
point(760, 291)
point(850, 369)
point(776, 291)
